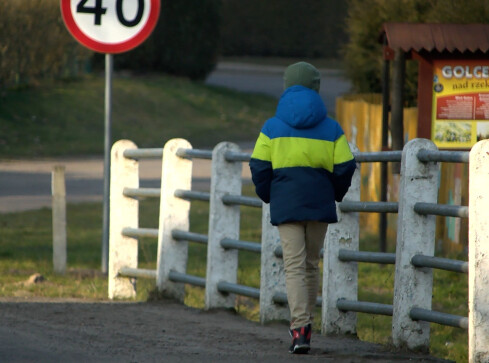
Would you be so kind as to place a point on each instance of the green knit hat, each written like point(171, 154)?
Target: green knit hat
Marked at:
point(302, 74)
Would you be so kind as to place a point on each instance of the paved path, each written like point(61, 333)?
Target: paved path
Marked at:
point(163, 331)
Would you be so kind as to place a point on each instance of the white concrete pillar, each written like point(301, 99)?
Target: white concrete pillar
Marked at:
point(415, 235)
point(479, 253)
point(58, 186)
point(123, 251)
point(176, 173)
point(222, 264)
point(272, 273)
point(340, 279)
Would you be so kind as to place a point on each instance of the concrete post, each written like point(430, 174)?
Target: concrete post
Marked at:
point(58, 187)
point(340, 279)
point(479, 253)
point(222, 264)
point(176, 173)
point(415, 235)
point(272, 273)
point(123, 251)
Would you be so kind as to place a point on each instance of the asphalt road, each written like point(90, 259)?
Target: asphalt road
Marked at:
point(268, 80)
point(26, 185)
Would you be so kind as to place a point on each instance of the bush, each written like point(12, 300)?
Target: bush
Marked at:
point(35, 43)
point(185, 41)
point(290, 28)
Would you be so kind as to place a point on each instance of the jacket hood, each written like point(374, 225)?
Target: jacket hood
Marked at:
point(301, 107)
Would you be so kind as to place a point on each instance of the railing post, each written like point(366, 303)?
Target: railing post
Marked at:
point(58, 186)
point(340, 279)
point(479, 253)
point(123, 251)
point(176, 173)
point(272, 273)
point(415, 235)
point(222, 264)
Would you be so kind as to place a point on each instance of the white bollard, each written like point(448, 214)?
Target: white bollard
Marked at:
point(272, 273)
point(176, 173)
point(58, 187)
point(340, 279)
point(415, 235)
point(123, 251)
point(479, 253)
point(222, 264)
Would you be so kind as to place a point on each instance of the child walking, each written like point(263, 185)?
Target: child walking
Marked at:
point(301, 164)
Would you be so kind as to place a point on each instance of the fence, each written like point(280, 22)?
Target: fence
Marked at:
point(414, 258)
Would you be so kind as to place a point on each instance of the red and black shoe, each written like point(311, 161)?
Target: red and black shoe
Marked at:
point(301, 340)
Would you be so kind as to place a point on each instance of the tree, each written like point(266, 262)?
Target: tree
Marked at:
point(363, 52)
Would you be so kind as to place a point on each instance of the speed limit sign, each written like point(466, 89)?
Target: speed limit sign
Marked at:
point(110, 26)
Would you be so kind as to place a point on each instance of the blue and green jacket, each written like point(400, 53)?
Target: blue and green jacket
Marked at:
point(301, 162)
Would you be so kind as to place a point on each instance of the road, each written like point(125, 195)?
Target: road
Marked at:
point(26, 185)
point(269, 80)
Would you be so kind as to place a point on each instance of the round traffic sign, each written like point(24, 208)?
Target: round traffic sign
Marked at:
point(110, 26)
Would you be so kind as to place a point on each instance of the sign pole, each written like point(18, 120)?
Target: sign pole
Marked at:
point(107, 144)
point(109, 27)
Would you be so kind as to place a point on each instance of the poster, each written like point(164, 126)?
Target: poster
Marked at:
point(460, 103)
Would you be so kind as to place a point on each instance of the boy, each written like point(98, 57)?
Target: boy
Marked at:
point(301, 164)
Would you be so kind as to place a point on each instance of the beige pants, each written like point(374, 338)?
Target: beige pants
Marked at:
point(301, 245)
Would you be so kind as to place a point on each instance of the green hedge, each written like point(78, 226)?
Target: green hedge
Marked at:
point(290, 28)
point(185, 41)
point(35, 44)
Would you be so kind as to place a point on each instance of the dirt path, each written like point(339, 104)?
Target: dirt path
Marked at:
point(163, 331)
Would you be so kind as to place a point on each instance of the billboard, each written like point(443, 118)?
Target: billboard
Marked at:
point(460, 103)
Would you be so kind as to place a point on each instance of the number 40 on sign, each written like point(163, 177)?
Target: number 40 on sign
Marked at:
point(110, 26)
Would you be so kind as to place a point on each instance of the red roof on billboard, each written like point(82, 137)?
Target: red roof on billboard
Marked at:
point(437, 37)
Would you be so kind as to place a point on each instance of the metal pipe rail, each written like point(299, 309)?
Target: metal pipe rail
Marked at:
point(142, 192)
point(439, 318)
point(137, 273)
point(369, 207)
point(361, 157)
point(187, 279)
point(228, 287)
point(189, 236)
point(443, 156)
point(379, 156)
point(237, 156)
point(363, 256)
point(194, 153)
point(365, 307)
point(278, 252)
point(440, 263)
point(137, 154)
point(192, 195)
point(230, 199)
point(281, 299)
point(446, 210)
point(241, 245)
point(140, 232)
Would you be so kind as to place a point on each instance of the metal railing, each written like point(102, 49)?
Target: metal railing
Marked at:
point(413, 260)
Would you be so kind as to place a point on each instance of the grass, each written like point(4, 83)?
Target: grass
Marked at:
point(25, 249)
point(67, 118)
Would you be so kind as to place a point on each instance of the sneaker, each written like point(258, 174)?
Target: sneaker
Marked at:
point(301, 340)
